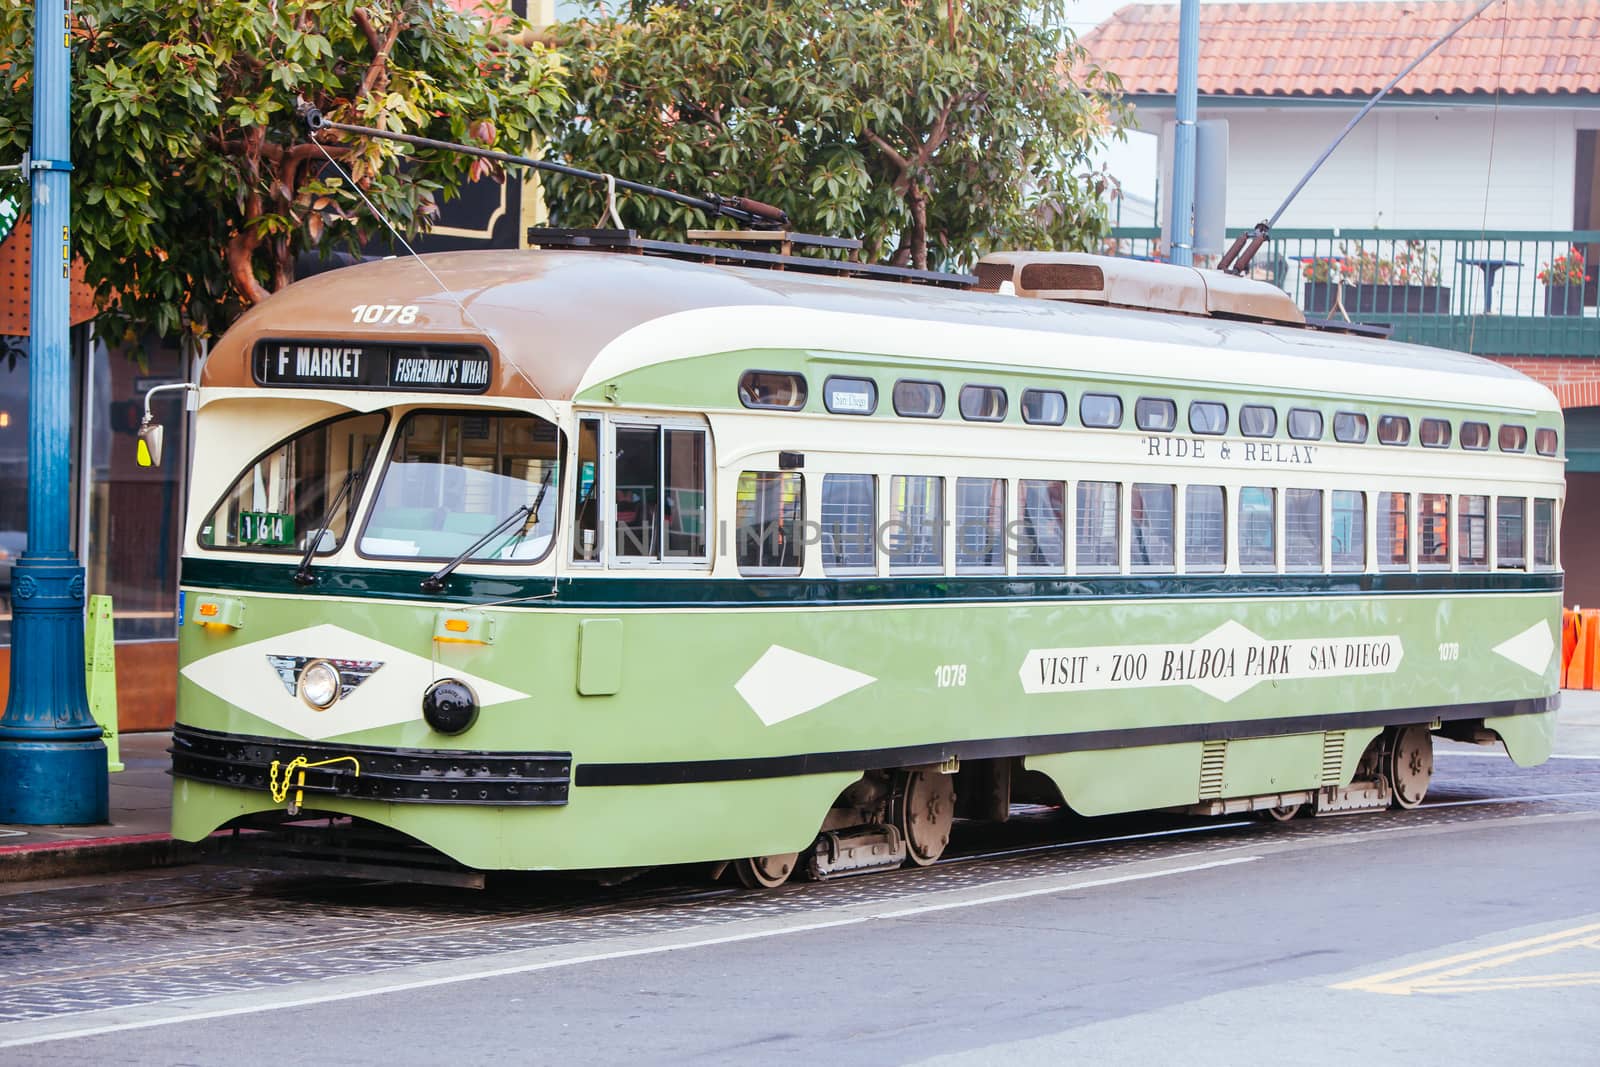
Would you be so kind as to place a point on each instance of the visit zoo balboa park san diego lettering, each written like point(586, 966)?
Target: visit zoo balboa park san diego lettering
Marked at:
point(1224, 663)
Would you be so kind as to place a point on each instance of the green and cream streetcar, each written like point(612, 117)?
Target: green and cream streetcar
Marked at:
point(571, 559)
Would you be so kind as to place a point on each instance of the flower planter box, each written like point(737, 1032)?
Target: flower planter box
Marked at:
point(1318, 298)
point(1563, 300)
point(1375, 299)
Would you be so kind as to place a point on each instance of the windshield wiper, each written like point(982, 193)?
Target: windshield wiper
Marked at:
point(434, 582)
point(302, 574)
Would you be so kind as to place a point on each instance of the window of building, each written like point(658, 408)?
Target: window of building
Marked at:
point(1098, 523)
point(1509, 534)
point(1258, 420)
point(1545, 441)
point(1394, 530)
point(1305, 424)
point(589, 493)
point(850, 396)
point(980, 524)
point(1041, 526)
point(1435, 433)
point(1472, 520)
point(918, 400)
point(1206, 416)
point(1513, 438)
point(1100, 410)
point(1151, 529)
point(767, 514)
point(916, 522)
point(1155, 414)
point(660, 493)
point(1205, 521)
point(1433, 530)
point(1350, 428)
point(983, 403)
point(1394, 430)
point(849, 522)
point(1302, 529)
point(1475, 436)
point(1044, 407)
point(779, 390)
point(1544, 533)
point(1347, 530)
point(1258, 528)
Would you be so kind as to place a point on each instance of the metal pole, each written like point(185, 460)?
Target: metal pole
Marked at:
point(1183, 136)
point(52, 761)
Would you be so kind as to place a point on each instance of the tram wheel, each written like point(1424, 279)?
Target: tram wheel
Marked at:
point(1282, 813)
point(1411, 765)
point(766, 872)
point(927, 804)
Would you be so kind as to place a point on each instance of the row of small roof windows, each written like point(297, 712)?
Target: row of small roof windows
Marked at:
point(918, 399)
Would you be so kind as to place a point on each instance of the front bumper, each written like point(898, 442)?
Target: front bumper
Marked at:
point(364, 772)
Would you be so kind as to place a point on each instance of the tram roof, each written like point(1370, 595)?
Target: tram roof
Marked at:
point(563, 321)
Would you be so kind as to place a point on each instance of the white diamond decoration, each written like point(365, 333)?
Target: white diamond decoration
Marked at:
point(784, 683)
point(245, 678)
point(1531, 649)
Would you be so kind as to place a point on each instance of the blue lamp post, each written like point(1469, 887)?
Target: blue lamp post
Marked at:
point(52, 761)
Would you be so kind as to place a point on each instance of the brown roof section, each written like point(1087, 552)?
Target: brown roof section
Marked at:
point(15, 251)
point(1322, 49)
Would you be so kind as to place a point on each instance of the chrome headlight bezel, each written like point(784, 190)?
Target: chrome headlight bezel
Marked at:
point(320, 684)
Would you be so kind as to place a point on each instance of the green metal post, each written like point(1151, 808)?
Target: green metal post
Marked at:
point(52, 760)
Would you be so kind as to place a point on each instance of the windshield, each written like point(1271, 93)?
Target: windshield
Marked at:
point(451, 478)
point(280, 501)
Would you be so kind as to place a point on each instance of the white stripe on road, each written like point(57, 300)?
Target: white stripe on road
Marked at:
point(327, 997)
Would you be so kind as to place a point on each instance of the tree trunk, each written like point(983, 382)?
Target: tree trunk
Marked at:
point(919, 228)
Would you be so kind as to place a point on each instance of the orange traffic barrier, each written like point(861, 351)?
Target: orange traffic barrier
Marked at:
point(1570, 626)
point(1583, 670)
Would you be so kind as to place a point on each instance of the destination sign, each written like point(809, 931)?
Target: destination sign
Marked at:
point(345, 365)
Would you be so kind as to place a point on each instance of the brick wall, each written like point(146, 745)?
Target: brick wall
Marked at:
point(1574, 379)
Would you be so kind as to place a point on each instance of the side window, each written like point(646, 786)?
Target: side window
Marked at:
point(1394, 430)
point(1545, 441)
point(1206, 416)
point(1347, 537)
point(1302, 529)
point(767, 517)
point(1044, 407)
point(1433, 530)
point(1350, 428)
point(1258, 420)
point(1394, 531)
point(1098, 503)
point(772, 389)
point(983, 403)
point(1513, 438)
point(850, 396)
point(916, 526)
point(1435, 433)
point(1151, 529)
point(1475, 436)
point(1204, 528)
point(918, 400)
point(660, 493)
point(1155, 414)
point(980, 524)
point(1100, 410)
point(1041, 526)
point(590, 493)
point(849, 517)
point(1472, 520)
point(1257, 527)
point(1544, 542)
point(1508, 535)
point(1305, 424)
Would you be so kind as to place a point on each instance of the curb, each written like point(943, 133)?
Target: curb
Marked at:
point(26, 863)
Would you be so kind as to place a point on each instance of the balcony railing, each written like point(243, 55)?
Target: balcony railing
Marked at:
point(1495, 292)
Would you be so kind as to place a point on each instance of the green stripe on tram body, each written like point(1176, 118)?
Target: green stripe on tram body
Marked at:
point(791, 701)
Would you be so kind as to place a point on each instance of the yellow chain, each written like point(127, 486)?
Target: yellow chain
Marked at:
point(280, 789)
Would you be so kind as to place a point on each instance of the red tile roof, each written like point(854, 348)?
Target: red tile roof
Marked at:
point(1320, 49)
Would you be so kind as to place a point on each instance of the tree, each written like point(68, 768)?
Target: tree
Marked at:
point(195, 184)
point(933, 129)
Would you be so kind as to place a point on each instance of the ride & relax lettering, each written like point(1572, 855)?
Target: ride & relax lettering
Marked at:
point(1229, 452)
point(1223, 663)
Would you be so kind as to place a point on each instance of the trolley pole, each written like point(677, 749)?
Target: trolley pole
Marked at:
point(52, 760)
point(1183, 136)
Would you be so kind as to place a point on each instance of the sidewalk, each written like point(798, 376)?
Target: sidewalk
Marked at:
point(141, 808)
point(136, 837)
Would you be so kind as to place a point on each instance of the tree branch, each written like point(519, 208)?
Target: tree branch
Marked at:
point(377, 75)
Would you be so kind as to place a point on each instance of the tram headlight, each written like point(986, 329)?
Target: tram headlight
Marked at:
point(450, 706)
point(319, 684)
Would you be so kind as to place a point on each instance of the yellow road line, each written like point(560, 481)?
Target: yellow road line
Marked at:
point(1436, 975)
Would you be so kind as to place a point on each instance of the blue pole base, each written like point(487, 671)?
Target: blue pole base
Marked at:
point(46, 783)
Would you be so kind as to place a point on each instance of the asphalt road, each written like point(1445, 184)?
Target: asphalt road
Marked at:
point(1463, 932)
